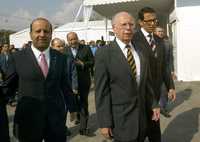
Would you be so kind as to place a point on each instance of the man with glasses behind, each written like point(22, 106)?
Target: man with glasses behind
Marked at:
point(153, 50)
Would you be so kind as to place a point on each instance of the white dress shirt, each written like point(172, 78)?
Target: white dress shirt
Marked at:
point(74, 51)
point(37, 53)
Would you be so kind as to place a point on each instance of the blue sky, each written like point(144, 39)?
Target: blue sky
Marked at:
point(17, 14)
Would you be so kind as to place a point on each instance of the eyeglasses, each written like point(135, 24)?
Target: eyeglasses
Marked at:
point(155, 21)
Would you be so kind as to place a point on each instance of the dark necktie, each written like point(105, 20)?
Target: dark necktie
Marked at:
point(131, 61)
point(151, 42)
point(43, 64)
point(152, 45)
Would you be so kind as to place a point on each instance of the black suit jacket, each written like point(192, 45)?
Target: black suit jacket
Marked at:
point(120, 101)
point(39, 97)
point(85, 55)
point(158, 65)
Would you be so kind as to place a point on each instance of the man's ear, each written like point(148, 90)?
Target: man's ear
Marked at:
point(140, 23)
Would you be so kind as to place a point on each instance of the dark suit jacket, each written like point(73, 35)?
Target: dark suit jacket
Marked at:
point(8, 87)
point(4, 64)
point(120, 101)
point(84, 54)
point(39, 97)
point(158, 66)
point(169, 54)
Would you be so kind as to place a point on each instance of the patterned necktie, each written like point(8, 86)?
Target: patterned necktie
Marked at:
point(151, 42)
point(43, 64)
point(131, 61)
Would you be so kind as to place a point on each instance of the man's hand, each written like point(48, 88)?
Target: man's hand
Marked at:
point(106, 132)
point(174, 77)
point(79, 62)
point(172, 95)
point(156, 114)
point(75, 92)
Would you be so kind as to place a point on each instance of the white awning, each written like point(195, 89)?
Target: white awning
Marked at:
point(102, 2)
point(108, 8)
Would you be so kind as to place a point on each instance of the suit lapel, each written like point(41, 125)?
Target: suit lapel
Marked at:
point(52, 64)
point(119, 57)
point(33, 61)
point(144, 40)
point(69, 52)
point(78, 54)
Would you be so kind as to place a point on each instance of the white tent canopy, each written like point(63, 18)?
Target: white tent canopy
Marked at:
point(91, 30)
point(108, 8)
point(19, 38)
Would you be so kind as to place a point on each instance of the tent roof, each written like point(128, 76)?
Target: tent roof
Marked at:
point(102, 2)
point(83, 25)
point(108, 8)
point(21, 32)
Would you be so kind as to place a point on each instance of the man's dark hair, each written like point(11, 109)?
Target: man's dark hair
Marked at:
point(145, 10)
point(40, 18)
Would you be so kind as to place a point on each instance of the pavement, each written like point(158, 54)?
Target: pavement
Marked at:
point(183, 125)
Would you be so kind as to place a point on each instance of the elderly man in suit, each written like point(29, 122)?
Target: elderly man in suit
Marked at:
point(153, 49)
point(83, 60)
point(122, 80)
point(42, 72)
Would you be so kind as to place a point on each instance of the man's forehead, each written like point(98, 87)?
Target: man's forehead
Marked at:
point(41, 22)
point(149, 15)
point(72, 36)
point(159, 30)
point(5, 44)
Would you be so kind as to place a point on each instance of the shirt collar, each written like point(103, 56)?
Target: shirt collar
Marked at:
point(145, 32)
point(38, 52)
point(121, 44)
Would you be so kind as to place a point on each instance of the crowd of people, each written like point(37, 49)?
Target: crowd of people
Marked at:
point(52, 78)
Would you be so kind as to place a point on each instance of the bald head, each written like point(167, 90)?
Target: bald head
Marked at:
point(72, 39)
point(40, 19)
point(123, 25)
point(119, 15)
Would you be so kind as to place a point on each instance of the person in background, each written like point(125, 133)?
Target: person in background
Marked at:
point(4, 123)
point(59, 45)
point(4, 56)
point(100, 43)
point(25, 45)
point(11, 47)
point(82, 42)
point(159, 31)
point(93, 48)
point(122, 79)
point(1, 47)
point(83, 59)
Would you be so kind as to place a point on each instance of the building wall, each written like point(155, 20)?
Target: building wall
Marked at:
point(186, 3)
point(188, 47)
